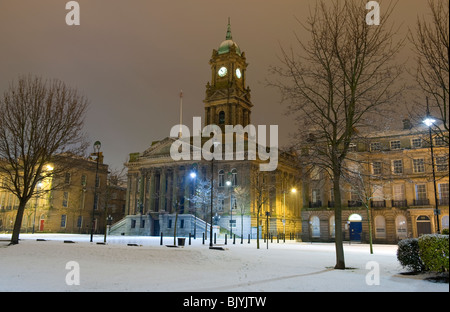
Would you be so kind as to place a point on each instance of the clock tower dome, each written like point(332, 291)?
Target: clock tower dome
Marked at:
point(227, 100)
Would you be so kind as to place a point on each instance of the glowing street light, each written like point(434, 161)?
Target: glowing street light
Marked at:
point(429, 122)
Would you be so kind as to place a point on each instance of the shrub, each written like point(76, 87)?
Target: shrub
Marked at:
point(408, 255)
point(445, 231)
point(434, 252)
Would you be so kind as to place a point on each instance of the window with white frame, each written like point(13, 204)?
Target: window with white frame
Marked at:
point(315, 226)
point(418, 165)
point(221, 177)
point(421, 191)
point(376, 167)
point(397, 166)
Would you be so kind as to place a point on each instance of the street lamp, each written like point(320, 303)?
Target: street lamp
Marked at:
point(193, 176)
point(97, 146)
point(215, 144)
point(229, 184)
point(429, 122)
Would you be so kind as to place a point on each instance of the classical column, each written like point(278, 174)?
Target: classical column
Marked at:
point(162, 190)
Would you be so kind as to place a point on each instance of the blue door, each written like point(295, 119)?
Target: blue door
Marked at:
point(355, 231)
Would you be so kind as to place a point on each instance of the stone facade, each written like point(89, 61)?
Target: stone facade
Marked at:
point(397, 187)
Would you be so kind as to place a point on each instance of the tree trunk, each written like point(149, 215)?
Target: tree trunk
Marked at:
point(18, 223)
point(340, 261)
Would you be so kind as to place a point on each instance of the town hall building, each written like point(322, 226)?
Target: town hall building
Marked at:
point(164, 194)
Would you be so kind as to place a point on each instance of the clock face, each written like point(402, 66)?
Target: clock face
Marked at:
point(222, 71)
point(238, 73)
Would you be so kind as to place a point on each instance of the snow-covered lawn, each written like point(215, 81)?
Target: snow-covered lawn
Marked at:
point(292, 266)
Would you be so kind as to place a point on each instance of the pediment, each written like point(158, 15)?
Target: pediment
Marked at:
point(159, 148)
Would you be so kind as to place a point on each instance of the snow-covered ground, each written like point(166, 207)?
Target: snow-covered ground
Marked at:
point(53, 265)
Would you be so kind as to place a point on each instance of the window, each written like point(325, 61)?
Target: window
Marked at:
point(401, 229)
point(221, 177)
point(397, 166)
point(441, 164)
point(377, 192)
point(380, 227)
point(439, 141)
point(352, 147)
point(182, 224)
point(418, 165)
point(83, 180)
point(315, 226)
point(421, 192)
point(169, 226)
point(63, 220)
point(234, 180)
point(416, 143)
point(95, 201)
point(376, 167)
point(79, 221)
point(376, 146)
point(443, 191)
point(399, 192)
point(315, 196)
point(67, 178)
point(221, 118)
point(315, 174)
point(65, 201)
point(395, 145)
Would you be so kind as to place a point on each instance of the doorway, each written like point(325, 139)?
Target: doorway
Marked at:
point(355, 228)
point(423, 225)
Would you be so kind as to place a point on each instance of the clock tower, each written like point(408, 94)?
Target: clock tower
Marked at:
point(227, 100)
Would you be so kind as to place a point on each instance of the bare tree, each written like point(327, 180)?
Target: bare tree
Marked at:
point(41, 122)
point(260, 190)
point(431, 44)
point(341, 81)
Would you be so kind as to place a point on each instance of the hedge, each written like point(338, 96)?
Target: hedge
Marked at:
point(434, 252)
point(408, 255)
point(429, 252)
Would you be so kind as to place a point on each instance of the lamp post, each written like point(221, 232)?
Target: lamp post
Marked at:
point(97, 146)
point(215, 144)
point(193, 176)
point(429, 122)
point(229, 184)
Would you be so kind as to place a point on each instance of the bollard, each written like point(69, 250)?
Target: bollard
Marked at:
point(278, 238)
point(234, 239)
point(225, 239)
point(271, 238)
point(249, 238)
point(203, 238)
point(189, 238)
point(161, 240)
point(242, 239)
point(215, 238)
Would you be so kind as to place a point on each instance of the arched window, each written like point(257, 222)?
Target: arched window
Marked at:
point(444, 222)
point(234, 180)
point(315, 226)
point(221, 177)
point(221, 118)
point(400, 224)
point(380, 227)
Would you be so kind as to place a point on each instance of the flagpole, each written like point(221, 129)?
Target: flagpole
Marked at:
point(181, 112)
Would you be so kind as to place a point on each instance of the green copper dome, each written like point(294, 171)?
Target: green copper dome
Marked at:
point(228, 42)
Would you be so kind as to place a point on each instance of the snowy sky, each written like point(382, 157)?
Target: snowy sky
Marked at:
point(132, 57)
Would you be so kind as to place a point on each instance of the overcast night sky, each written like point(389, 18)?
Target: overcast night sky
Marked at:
point(132, 57)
